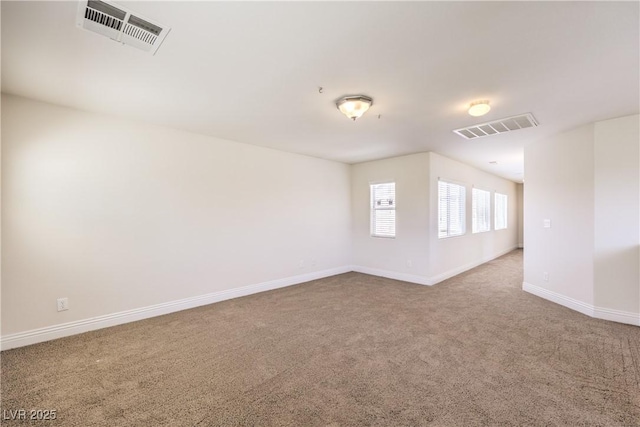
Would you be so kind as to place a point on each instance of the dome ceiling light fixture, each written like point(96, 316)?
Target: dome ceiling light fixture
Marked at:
point(479, 108)
point(354, 106)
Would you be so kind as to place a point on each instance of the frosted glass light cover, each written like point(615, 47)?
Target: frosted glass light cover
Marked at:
point(354, 106)
point(479, 108)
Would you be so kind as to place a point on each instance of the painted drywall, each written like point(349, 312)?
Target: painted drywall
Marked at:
point(416, 254)
point(520, 212)
point(453, 255)
point(617, 214)
point(586, 181)
point(117, 215)
point(560, 188)
point(407, 253)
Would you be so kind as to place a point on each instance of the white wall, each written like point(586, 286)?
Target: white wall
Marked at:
point(520, 212)
point(384, 256)
point(117, 215)
point(560, 188)
point(617, 214)
point(453, 255)
point(586, 181)
point(416, 254)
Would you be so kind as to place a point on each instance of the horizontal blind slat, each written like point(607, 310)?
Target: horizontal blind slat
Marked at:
point(501, 205)
point(480, 210)
point(383, 205)
point(451, 209)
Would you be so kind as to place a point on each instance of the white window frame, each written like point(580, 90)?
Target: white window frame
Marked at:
point(497, 197)
point(461, 210)
point(390, 206)
point(476, 212)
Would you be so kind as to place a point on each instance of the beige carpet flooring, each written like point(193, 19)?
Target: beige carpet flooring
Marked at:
point(350, 350)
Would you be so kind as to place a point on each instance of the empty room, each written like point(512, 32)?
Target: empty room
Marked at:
point(320, 213)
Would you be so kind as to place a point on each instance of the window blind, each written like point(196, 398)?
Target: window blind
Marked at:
point(480, 210)
point(451, 209)
point(501, 211)
point(383, 210)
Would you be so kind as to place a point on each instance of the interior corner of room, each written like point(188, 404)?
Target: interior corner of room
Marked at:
point(130, 218)
point(164, 167)
point(120, 218)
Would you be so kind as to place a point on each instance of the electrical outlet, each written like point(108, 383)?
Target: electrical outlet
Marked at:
point(546, 223)
point(301, 264)
point(545, 276)
point(409, 263)
point(63, 304)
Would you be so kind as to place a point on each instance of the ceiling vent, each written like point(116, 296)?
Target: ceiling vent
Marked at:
point(509, 124)
point(120, 24)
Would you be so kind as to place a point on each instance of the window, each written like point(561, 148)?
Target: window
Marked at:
point(501, 211)
point(480, 210)
point(451, 201)
point(383, 210)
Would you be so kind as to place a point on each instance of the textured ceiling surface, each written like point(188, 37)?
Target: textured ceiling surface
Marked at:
point(250, 72)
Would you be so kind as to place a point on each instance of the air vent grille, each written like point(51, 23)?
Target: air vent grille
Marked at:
point(508, 124)
point(144, 25)
point(119, 24)
point(103, 18)
point(140, 34)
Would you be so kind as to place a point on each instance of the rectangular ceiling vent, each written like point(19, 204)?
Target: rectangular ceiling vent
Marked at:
point(120, 24)
point(509, 124)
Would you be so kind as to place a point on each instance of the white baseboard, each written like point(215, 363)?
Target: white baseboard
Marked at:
point(563, 300)
point(411, 278)
point(424, 280)
point(76, 327)
point(617, 316)
point(582, 307)
point(454, 272)
point(34, 336)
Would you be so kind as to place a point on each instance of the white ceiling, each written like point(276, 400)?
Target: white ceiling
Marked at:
point(250, 72)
